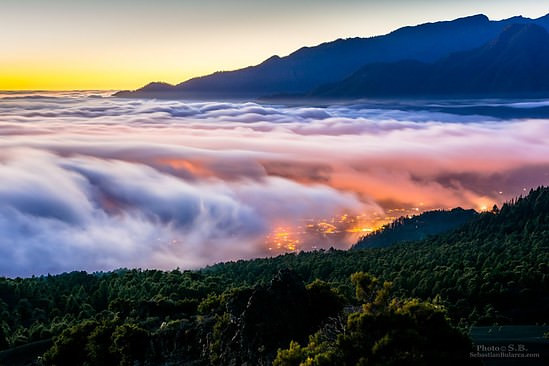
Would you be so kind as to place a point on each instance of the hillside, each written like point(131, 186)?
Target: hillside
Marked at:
point(514, 64)
point(310, 67)
point(496, 262)
point(493, 269)
point(416, 228)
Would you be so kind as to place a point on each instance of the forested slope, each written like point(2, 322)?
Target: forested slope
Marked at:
point(492, 270)
point(416, 228)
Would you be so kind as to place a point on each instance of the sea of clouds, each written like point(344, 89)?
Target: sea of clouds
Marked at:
point(89, 182)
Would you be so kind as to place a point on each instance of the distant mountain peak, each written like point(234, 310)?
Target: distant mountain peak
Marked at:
point(157, 85)
point(512, 64)
point(474, 18)
point(272, 58)
point(477, 20)
point(309, 68)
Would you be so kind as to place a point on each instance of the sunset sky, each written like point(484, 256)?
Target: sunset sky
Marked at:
point(123, 44)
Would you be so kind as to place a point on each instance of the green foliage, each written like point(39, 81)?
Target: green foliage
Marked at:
point(251, 331)
point(4, 343)
point(68, 347)
point(93, 343)
point(317, 353)
point(130, 342)
point(210, 304)
point(417, 227)
point(493, 270)
point(98, 347)
point(365, 285)
point(394, 332)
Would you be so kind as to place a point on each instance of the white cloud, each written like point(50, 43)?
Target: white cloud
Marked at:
point(100, 183)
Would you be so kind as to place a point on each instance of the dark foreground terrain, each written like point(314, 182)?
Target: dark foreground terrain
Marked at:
point(413, 303)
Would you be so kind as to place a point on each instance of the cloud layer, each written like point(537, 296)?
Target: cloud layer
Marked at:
point(98, 183)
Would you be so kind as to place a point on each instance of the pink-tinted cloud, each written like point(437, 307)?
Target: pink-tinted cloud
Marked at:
point(99, 183)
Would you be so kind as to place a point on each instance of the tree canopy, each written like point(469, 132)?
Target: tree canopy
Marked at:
point(492, 270)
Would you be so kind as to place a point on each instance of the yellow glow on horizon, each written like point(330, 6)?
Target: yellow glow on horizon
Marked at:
point(84, 79)
point(83, 69)
point(69, 45)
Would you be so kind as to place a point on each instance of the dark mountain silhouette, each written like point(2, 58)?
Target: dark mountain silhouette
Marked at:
point(417, 227)
point(311, 67)
point(516, 63)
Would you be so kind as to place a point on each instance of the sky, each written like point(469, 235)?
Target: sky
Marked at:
point(124, 44)
point(166, 184)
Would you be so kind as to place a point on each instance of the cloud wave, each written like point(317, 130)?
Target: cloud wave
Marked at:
point(96, 183)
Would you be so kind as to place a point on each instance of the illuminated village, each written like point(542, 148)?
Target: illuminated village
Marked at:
point(338, 231)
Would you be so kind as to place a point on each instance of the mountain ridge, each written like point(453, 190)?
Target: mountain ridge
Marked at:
point(310, 67)
point(513, 64)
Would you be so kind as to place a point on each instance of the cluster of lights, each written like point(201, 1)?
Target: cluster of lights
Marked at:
point(283, 239)
point(334, 231)
point(338, 231)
